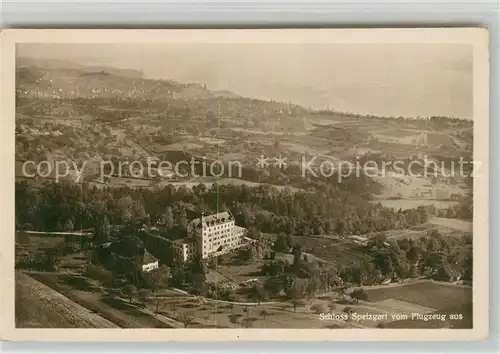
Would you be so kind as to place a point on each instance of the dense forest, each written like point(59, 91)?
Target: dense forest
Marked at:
point(326, 210)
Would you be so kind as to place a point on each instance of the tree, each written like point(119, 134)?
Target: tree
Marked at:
point(69, 226)
point(297, 252)
point(159, 304)
point(388, 269)
point(296, 290)
point(186, 319)
point(273, 286)
point(348, 310)
point(157, 279)
point(289, 241)
point(173, 307)
point(359, 294)
point(433, 243)
point(247, 322)
point(444, 272)
point(182, 218)
point(379, 240)
point(318, 308)
point(144, 295)
point(264, 314)
point(178, 274)
point(468, 263)
point(404, 270)
point(280, 245)
point(168, 218)
point(104, 276)
point(258, 293)
point(102, 230)
point(312, 287)
point(296, 303)
point(129, 290)
point(51, 260)
point(234, 318)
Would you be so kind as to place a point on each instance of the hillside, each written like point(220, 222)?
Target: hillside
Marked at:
point(74, 112)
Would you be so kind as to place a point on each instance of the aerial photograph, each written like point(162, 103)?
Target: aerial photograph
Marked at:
point(244, 185)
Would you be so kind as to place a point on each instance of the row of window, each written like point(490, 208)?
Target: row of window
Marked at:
point(224, 235)
point(223, 226)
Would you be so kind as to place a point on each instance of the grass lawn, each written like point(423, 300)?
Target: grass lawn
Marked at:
point(237, 270)
point(429, 294)
point(326, 247)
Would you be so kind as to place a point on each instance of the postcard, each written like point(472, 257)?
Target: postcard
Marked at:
point(225, 185)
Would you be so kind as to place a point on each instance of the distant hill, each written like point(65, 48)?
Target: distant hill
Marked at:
point(60, 79)
point(224, 93)
point(52, 95)
point(55, 64)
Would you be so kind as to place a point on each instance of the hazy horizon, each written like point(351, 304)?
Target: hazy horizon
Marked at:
point(374, 78)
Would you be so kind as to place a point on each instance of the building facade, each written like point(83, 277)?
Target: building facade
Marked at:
point(210, 236)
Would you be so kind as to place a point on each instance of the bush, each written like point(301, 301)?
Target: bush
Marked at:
point(318, 309)
point(359, 294)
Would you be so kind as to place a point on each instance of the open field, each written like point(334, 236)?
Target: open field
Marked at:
point(445, 226)
point(38, 306)
point(455, 224)
point(414, 203)
point(401, 306)
point(429, 294)
point(327, 248)
point(118, 182)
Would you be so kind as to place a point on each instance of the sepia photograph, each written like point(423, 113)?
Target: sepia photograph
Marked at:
point(233, 181)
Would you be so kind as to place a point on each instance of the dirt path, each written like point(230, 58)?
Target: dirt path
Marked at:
point(38, 306)
point(206, 299)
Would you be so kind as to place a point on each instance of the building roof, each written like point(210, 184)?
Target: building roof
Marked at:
point(213, 219)
point(148, 258)
point(183, 241)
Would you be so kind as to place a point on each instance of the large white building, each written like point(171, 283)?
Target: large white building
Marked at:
point(210, 236)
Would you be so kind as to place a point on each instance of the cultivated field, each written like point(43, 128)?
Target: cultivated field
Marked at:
point(445, 226)
point(327, 248)
point(455, 224)
point(222, 314)
point(430, 294)
point(414, 203)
